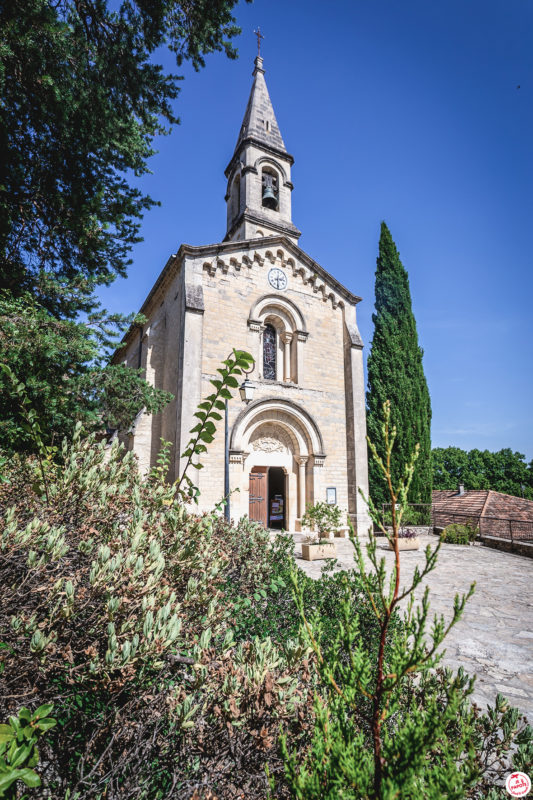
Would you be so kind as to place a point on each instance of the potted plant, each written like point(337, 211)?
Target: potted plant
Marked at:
point(407, 540)
point(322, 519)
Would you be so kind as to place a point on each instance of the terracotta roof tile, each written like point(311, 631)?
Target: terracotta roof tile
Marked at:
point(482, 503)
point(471, 502)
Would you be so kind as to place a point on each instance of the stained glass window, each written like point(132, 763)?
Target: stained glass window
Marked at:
point(269, 353)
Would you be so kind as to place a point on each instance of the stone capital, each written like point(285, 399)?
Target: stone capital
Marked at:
point(287, 337)
point(256, 325)
point(236, 457)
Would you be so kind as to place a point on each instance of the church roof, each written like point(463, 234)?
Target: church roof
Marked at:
point(259, 121)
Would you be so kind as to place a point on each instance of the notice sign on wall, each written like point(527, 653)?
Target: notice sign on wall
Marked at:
point(276, 508)
point(331, 496)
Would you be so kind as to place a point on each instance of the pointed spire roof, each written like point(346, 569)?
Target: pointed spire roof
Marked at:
point(259, 121)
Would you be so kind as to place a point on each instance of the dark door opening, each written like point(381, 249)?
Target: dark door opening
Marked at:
point(276, 498)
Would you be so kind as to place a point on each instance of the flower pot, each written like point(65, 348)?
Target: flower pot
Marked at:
point(312, 551)
point(407, 544)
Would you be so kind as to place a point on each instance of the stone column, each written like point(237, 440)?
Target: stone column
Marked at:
point(302, 461)
point(255, 344)
point(301, 338)
point(287, 339)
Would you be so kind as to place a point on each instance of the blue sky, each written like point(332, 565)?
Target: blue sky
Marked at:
point(407, 112)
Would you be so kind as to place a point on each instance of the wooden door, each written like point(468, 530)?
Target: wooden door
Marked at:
point(258, 497)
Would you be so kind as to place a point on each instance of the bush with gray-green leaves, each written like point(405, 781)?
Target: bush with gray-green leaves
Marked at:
point(172, 648)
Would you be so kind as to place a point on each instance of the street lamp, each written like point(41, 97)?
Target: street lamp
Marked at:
point(246, 390)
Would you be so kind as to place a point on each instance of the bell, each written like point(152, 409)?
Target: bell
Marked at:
point(269, 197)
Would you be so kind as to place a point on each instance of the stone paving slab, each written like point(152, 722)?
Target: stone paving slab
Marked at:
point(494, 638)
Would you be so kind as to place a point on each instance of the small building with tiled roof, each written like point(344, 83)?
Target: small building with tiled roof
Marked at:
point(495, 514)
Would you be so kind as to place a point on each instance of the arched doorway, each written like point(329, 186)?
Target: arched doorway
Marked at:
point(277, 456)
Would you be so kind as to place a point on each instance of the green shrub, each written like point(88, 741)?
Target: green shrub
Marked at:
point(322, 518)
point(457, 533)
point(118, 605)
point(18, 749)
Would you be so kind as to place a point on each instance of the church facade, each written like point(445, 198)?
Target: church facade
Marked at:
point(302, 437)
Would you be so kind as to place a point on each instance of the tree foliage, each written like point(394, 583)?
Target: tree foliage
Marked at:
point(395, 372)
point(81, 98)
point(503, 471)
point(61, 363)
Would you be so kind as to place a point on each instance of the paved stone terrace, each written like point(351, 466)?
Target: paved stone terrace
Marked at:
point(494, 638)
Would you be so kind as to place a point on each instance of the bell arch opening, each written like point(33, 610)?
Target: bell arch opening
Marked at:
point(270, 189)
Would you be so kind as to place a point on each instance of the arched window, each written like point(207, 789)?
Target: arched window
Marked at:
point(270, 189)
point(269, 353)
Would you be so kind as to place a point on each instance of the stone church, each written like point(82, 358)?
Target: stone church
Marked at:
point(302, 437)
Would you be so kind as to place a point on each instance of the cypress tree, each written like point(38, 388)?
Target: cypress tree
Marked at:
point(395, 373)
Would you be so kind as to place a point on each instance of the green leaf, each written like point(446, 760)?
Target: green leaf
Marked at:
point(21, 754)
point(6, 733)
point(7, 779)
point(29, 777)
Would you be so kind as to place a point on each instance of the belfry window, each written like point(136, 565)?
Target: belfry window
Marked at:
point(270, 189)
point(236, 197)
point(269, 353)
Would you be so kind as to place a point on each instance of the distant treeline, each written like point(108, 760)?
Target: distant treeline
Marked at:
point(503, 471)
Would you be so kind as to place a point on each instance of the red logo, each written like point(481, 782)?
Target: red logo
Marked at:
point(518, 784)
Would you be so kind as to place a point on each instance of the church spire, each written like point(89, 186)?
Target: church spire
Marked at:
point(259, 121)
point(259, 183)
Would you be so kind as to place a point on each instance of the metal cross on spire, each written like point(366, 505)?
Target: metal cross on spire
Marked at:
point(259, 37)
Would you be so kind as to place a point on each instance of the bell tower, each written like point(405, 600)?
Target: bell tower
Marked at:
point(259, 174)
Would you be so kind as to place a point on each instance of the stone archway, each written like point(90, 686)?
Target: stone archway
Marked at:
point(275, 434)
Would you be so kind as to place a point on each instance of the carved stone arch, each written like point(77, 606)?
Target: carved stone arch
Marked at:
point(290, 309)
point(266, 161)
point(292, 418)
point(276, 316)
point(283, 428)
